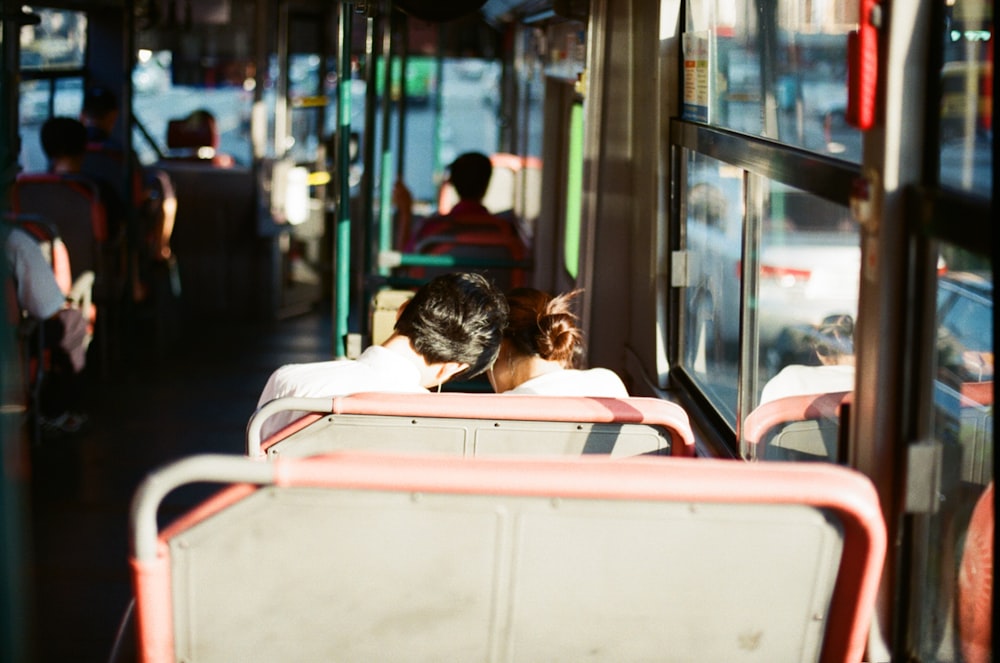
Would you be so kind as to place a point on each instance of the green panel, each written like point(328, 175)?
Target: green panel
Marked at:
point(574, 188)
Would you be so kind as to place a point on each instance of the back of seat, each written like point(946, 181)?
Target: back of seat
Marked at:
point(365, 557)
point(73, 205)
point(215, 239)
point(500, 256)
point(804, 427)
point(476, 425)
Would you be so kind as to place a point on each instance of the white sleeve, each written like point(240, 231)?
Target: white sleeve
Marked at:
point(37, 290)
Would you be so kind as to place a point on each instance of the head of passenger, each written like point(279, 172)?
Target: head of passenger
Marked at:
point(457, 318)
point(201, 123)
point(541, 336)
point(100, 110)
point(64, 141)
point(834, 343)
point(470, 175)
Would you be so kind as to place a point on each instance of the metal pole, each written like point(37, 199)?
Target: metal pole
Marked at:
point(402, 23)
point(386, 169)
point(341, 291)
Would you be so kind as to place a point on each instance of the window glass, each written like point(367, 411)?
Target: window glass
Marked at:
point(58, 41)
point(963, 434)
point(805, 308)
point(39, 100)
point(712, 208)
point(810, 261)
point(773, 69)
point(967, 97)
point(167, 89)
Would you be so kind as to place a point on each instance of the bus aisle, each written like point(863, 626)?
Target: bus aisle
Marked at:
point(195, 399)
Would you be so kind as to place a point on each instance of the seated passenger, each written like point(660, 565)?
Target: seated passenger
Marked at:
point(151, 194)
point(540, 347)
point(198, 136)
point(450, 329)
point(470, 174)
point(834, 348)
point(64, 141)
point(64, 332)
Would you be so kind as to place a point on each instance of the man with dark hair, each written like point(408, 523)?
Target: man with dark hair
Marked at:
point(470, 174)
point(100, 113)
point(64, 141)
point(151, 193)
point(450, 329)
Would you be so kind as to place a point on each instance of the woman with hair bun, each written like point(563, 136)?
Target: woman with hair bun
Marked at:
point(833, 344)
point(541, 348)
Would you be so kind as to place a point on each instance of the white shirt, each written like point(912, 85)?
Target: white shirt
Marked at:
point(797, 380)
point(571, 382)
point(37, 290)
point(377, 369)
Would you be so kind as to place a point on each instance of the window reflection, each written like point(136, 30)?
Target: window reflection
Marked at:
point(954, 615)
point(966, 124)
point(804, 314)
point(810, 262)
point(713, 213)
point(58, 41)
point(774, 69)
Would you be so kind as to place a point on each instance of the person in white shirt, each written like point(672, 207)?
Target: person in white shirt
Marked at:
point(541, 348)
point(450, 329)
point(64, 332)
point(834, 347)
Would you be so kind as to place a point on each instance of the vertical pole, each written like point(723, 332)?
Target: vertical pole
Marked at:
point(341, 290)
point(439, 106)
point(403, 37)
point(16, 616)
point(386, 169)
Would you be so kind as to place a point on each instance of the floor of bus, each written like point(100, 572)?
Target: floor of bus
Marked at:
point(150, 408)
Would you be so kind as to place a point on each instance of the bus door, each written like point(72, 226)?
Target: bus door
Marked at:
point(302, 82)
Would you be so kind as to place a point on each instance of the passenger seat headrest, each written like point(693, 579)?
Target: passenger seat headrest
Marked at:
point(182, 135)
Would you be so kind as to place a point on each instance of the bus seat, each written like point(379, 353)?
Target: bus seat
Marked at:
point(187, 141)
point(364, 556)
point(79, 291)
point(475, 425)
point(215, 239)
point(797, 427)
point(975, 583)
point(384, 311)
point(451, 224)
point(73, 205)
point(66, 212)
point(499, 256)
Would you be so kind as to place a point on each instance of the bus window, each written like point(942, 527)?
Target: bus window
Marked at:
point(789, 84)
point(57, 42)
point(963, 433)
point(810, 262)
point(966, 122)
point(51, 84)
point(713, 229)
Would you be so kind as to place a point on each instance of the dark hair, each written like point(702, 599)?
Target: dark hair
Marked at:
point(470, 175)
point(835, 336)
point(543, 325)
point(99, 101)
point(63, 137)
point(456, 317)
